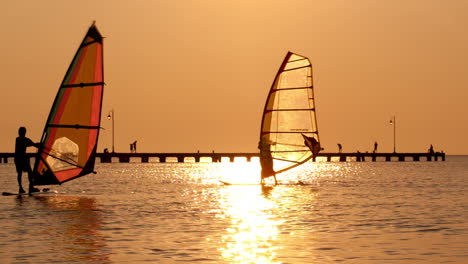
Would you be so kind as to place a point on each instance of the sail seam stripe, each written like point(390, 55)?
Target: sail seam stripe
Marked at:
point(290, 132)
point(81, 85)
point(297, 60)
point(286, 110)
point(293, 88)
point(292, 69)
point(291, 151)
point(73, 126)
point(287, 160)
point(89, 43)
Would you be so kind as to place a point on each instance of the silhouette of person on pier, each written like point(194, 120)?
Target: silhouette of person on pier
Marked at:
point(431, 150)
point(340, 148)
point(22, 160)
point(134, 146)
point(131, 147)
point(375, 146)
point(266, 160)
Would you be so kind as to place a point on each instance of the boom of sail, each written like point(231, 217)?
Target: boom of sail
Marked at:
point(289, 124)
point(68, 144)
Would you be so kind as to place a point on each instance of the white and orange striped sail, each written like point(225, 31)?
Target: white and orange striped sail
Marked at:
point(289, 120)
point(68, 144)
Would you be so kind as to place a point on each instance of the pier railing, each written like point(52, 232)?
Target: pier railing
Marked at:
point(217, 157)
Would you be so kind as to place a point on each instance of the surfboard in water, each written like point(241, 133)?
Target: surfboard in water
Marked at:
point(68, 144)
point(289, 123)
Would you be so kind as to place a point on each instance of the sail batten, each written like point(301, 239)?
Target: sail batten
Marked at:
point(288, 115)
point(73, 126)
point(292, 88)
point(297, 68)
point(81, 84)
point(69, 141)
point(287, 109)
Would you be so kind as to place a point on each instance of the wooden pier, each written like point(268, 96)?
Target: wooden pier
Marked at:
point(217, 157)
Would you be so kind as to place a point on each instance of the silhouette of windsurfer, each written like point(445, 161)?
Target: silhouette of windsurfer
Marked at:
point(22, 160)
point(266, 160)
point(312, 144)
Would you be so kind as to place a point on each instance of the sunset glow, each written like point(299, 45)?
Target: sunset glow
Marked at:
point(194, 76)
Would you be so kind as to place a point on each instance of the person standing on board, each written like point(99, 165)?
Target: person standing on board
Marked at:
point(339, 148)
point(22, 160)
point(375, 146)
point(266, 160)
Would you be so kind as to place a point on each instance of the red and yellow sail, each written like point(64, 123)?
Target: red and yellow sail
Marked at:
point(289, 115)
point(69, 141)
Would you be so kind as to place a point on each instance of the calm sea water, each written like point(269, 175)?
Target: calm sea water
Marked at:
point(369, 212)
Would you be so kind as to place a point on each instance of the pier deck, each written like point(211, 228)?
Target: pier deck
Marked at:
point(216, 157)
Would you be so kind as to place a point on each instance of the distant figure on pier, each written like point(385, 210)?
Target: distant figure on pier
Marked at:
point(375, 146)
point(340, 148)
point(431, 149)
point(266, 160)
point(131, 147)
point(22, 160)
point(134, 146)
point(106, 151)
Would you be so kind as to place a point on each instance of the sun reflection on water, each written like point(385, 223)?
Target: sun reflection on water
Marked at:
point(254, 228)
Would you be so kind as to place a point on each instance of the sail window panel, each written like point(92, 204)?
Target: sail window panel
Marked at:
point(288, 121)
point(292, 99)
point(295, 79)
point(281, 164)
point(296, 57)
point(63, 155)
point(288, 147)
point(292, 154)
point(63, 140)
point(294, 121)
point(296, 64)
point(287, 144)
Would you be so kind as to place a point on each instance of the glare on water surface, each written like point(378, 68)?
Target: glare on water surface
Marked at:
point(180, 212)
point(254, 213)
point(254, 227)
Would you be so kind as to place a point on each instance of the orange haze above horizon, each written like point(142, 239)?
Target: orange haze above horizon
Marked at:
point(188, 75)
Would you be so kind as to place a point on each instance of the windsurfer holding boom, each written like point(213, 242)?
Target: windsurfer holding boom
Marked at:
point(22, 161)
point(312, 144)
point(266, 160)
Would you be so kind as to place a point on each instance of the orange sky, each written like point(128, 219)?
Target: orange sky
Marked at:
point(187, 75)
